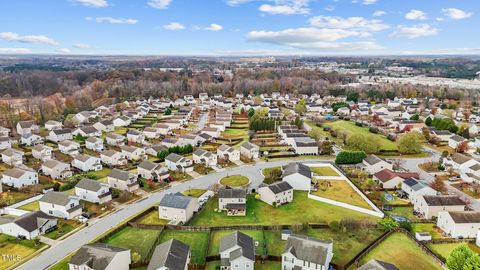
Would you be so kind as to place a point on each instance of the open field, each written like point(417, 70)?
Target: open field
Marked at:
point(137, 240)
point(403, 252)
point(198, 242)
point(301, 210)
point(340, 190)
point(216, 236)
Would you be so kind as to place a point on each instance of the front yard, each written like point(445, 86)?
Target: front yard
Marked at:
point(66, 227)
point(198, 242)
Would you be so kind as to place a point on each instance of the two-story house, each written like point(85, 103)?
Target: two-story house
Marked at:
point(56, 169)
point(113, 158)
point(94, 143)
point(122, 180)
point(277, 193)
point(58, 135)
point(237, 251)
point(93, 191)
point(87, 163)
point(20, 177)
point(233, 201)
point(61, 205)
point(175, 162)
point(177, 208)
point(228, 153)
point(151, 170)
point(303, 252)
point(42, 152)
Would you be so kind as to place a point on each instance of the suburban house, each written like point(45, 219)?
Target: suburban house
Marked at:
point(121, 121)
point(151, 170)
point(455, 140)
point(228, 153)
point(459, 224)
point(100, 256)
point(87, 131)
point(42, 152)
point(4, 132)
point(30, 139)
point(115, 139)
point(104, 126)
point(201, 156)
point(464, 165)
point(113, 158)
point(135, 136)
point(87, 163)
point(52, 124)
point(390, 179)
point(12, 157)
point(58, 135)
point(150, 133)
point(19, 177)
point(122, 180)
point(429, 206)
point(27, 127)
point(277, 193)
point(303, 252)
point(172, 254)
point(5, 143)
point(93, 191)
point(176, 162)
point(29, 225)
point(378, 265)
point(237, 251)
point(250, 150)
point(94, 143)
point(177, 208)
point(212, 131)
point(162, 129)
point(153, 150)
point(69, 147)
point(133, 153)
point(61, 205)
point(234, 201)
point(414, 188)
point(374, 164)
point(56, 169)
point(298, 175)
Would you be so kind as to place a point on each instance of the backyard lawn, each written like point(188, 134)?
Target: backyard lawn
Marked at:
point(444, 250)
point(152, 219)
point(430, 228)
point(340, 190)
point(216, 236)
point(198, 242)
point(324, 171)
point(137, 240)
point(17, 196)
point(301, 210)
point(100, 174)
point(11, 246)
point(194, 192)
point(234, 180)
point(406, 211)
point(403, 252)
point(33, 206)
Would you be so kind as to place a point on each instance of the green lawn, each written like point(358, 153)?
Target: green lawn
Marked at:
point(215, 237)
point(100, 174)
point(63, 264)
point(11, 246)
point(430, 228)
point(33, 206)
point(340, 190)
point(267, 171)
point(268, 265)
point(17, 196)
point(198, 242)
point(324, 171)
point(444, 250)
point(213, 265)
point(137, 240)
point(194, 192)
point(403, 252)
point(152, 219)
point(301, 210)
point(234, 180)
point(68, 226)
point(406, 211)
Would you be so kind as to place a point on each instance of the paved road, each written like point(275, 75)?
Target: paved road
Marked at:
point(60, 250)
point(202, 120)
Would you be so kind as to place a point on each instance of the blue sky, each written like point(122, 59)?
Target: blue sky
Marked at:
point(240, 27)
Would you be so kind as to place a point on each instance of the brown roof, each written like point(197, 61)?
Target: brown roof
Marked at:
point(440, 200)
point(459, 158)
point(465, 217)
point(386, 175)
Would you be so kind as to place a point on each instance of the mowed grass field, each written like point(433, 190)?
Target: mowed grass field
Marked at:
point(216, 236)
point(198, 242)
point(403, 252)
point(21, 248)
point(340, 190)
point(444, 250)
point(137, 240)
point(301, 210)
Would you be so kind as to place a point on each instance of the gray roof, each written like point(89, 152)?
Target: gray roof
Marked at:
point(148, 165)
point(457, 138)
point(61, 131)
point(279, 187)
point(173, 157)
point(52, 163)
point(15, 172)
point(119, 174)
point(176, 200)
point(172, 255)
point(465, 217)
point(414, 184)
point(294, 167)
point(96, 256)
point(83, 157)
point(249, 145)
point(32, 221)
point(232, 193)
point(308, 249)
point(245, 244)
point(440, 200)
point(109, 153)
point(55, 197)
point(89, 184)
point(378, 265)
point(372, 159)
point(89, 129)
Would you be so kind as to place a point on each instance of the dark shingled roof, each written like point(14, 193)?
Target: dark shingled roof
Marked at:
point(172, 255)
point(372, 159)
point(433, 200)
point(96, 256)
point(249, 145)
point(232, 193)
point(243, 241)
point(54, 197)
point(465, 217)
point(119, 174)
point(378, 265)
point(32, 221)
point(294, 167)
point(279, 187)
point(308, 249)
point(148, 165)
point(174, 157)
point(89, 184)
point(176, 200)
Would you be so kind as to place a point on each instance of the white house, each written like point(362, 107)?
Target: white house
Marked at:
point(237, 251)
point(297, 175)
point(29, 226)
point(52, 124)
point(87, 163)
point(12, 157)
point(212, 131)
point(69, 147)
point(233, 201)
point(94, 143)
point(414, 189)
point(100, 256)
point(20, 177)
point(30, 139)
point(113, 158)
point(133, 153)
point(122, 121)
point(277, 193)
point(42, 152)
point(171, 254)
point(93, 191)
point(430, 205)
point(115, 139)
point(151, 170)
point(201, 156)
point(250, 150)
point(303, 252)
point(135, 136)
point(87, 131)
point(123, 180)
point(61, 205)
point(176, 162)
point(5, 143)
point(162, 129)
point(150, 133)
point(177, 208)
point(58, 135)
point(228, 153)
point(26, 127)
point(56, 169)
point(104, 126)
point(459, 224)
point(374, 164)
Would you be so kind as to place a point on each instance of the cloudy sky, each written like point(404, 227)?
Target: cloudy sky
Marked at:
point(240, 27)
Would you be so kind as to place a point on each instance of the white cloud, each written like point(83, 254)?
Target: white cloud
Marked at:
point(283, 9)
point(358, 23)
point(15, 51)
point(237, 2)
point(415, 31)
point(159, 4)
point(379, 13)
point(173, 26)
point(63, 50)
point(329, 8)
point(82, 46)
point(439, 19)
point(93, 3)
point(451, 51)
point(415, 14)
point(10, 36)
point(214, 27)
point(456, 14)
point(365, 2)
point(302, 35)
point(112, 20)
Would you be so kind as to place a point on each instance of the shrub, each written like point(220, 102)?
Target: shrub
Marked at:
point(350, 157)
